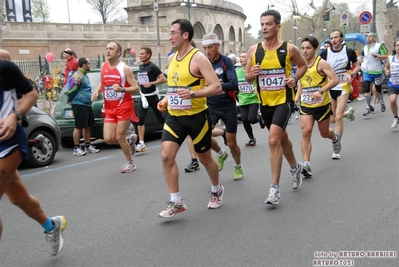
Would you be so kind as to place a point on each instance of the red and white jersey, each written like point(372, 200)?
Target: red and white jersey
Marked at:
point(109, 77)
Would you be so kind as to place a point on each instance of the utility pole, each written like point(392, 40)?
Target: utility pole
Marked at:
point(156, 9)
point(373, 26)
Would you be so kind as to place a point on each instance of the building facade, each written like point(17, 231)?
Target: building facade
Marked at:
point(29, 39)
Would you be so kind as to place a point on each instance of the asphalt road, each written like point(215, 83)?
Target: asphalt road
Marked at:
point(112, 218)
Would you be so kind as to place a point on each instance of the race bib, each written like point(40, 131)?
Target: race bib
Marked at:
point(272, 80)
point(379, 80)
point(245, 88)
point(306, 96)
point(142, 78)
point(110, 94)
point(394, 78)
point(341, 74)
point(175, 102)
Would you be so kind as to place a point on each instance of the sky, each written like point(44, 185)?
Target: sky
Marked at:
point(80, 11)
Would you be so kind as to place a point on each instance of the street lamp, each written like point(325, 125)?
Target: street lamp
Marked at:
point(189, 4)
point(69, 18)
point(156, 9)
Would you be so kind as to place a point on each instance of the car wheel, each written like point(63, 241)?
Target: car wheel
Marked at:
point(132, 129)
point(36, 156)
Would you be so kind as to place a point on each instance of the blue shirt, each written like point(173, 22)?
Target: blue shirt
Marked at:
point(226, 73)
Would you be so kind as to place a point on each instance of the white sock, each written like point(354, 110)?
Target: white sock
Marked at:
point(141, 142)
point(221, 152)
point(215, 188)
point(175, 197)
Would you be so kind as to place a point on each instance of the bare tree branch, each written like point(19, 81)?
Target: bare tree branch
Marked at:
point(107, 9)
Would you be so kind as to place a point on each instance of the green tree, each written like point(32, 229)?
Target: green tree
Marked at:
point(40, 10)
point(107, 9)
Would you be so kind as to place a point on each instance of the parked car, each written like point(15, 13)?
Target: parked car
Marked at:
point(40, 122)
point(63, 113)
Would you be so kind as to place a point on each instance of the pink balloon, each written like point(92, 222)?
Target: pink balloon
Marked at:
point(49, 57)
point(132, 52)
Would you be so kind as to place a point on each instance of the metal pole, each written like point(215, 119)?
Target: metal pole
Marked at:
point(69, 18)
point(373, 26)
point(158, 37)
point(188, 7)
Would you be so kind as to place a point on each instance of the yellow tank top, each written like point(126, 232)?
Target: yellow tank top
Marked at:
point(179, 76)
point(275, 66)
point(311, 82)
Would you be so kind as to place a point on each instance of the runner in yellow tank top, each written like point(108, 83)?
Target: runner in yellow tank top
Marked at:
point(272, 74)
point(313, 92)
point(188, 115)
point(179, 76)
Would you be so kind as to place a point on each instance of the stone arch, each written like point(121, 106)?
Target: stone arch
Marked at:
point(231, 46)
point(240, 41)
point(232, 35)
point(199, 31)
point(219, 32)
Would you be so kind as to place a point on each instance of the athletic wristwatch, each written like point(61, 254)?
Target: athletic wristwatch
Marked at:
point(192, 95)
point(296, 79)
point(19, 115)
point(123, 89)
point(321, 92)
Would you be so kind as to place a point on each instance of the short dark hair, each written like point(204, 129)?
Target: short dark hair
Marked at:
point(276, 15)
point(147, 50)
point(328, 42)
point(82, 61)
point(185, 26)
point(341, 34)
point(312, 40)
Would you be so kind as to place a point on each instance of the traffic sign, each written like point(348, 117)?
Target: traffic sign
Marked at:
point(365, 17)
point(365, 28)
point(344, 20)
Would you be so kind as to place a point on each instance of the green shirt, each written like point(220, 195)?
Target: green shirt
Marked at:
point(246, 91)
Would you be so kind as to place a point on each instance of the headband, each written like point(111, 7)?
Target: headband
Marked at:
point(68, 52)
point(209, 42)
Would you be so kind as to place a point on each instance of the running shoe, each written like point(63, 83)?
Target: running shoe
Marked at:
point(172, 208)
point(192, 167)
point(367, 113)
point(296, 176)
point(336, 145)
point(251, 142)
point(372, 108)
point(141, 148)
point(220, 160)
point(349, 114)
point(216, 198)
point(41, 144)
point(78, 152)
point(224, 137)
point(55, 238)
point(296, 112)
point(129, 166)
point(307, 171)
point(274, 196)
point(395, 123)
point(132, 143)
point(261, 121)
point(238, 173)
point(92, 149)
point(336, 156)
point(383, 108)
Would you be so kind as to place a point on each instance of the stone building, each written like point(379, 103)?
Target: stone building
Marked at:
point(29, 39)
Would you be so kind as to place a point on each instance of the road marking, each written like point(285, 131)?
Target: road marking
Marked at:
point(64, 167)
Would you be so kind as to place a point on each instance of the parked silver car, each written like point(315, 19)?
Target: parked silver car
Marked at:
point(40, 122)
